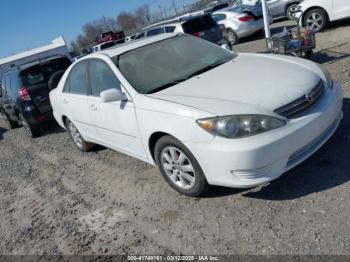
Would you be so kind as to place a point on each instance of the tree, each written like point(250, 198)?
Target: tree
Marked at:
point(127, 21)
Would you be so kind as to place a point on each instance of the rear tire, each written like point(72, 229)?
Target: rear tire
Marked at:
point(316, 20)
point(179, 167)
point(78, 140)
point(10, 124)
point(31, 130)
point(231, 37)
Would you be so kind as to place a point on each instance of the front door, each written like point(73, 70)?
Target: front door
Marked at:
point(341, 9)
point(115, 122)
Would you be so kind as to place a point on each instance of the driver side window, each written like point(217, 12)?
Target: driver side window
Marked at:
point(102, 77)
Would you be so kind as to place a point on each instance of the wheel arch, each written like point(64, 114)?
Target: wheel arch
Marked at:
point(311, 8)
point(288, 5)
point(152, 141)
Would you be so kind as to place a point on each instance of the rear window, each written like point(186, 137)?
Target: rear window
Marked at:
point(156, 31)
point(198, 24)
point(107, 45)
point(40, 74)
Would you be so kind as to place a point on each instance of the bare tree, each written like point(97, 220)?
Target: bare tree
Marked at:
point(127, 21)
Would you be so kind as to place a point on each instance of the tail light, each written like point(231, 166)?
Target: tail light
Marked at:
point(246, 18)
point(198, 34)
point(23, 94)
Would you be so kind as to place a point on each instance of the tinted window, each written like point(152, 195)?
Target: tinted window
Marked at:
point(77, 80)
point(140, 36)
point(198, 24)
point(219, 17)
point(107, 45)
point(40, 74)
point(101, 77)
point(170, 29)
point(155, 31)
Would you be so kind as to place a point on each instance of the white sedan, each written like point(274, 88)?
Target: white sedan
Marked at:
point(202, 114)
point(316, 14)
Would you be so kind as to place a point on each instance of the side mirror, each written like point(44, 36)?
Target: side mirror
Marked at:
point(113, 95)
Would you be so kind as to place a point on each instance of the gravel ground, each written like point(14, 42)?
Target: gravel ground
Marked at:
point(56, 200)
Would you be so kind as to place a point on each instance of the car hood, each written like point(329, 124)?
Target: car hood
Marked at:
point(250, 83)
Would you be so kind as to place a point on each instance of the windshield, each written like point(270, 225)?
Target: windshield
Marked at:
point(160, 65)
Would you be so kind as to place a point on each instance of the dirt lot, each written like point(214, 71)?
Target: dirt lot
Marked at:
point(56, 200)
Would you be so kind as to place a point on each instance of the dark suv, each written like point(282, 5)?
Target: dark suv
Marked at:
point(203, 26)
point(24, 93)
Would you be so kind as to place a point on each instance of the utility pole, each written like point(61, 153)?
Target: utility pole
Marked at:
point(173, 1)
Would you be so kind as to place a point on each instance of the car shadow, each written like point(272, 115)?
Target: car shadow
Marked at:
point(326, 169)
point(261, 34)
point(329, 56)
point(51, 127)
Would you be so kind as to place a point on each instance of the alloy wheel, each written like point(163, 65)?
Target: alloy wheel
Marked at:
point(77, 139)
point(178, 167)
point(315, 21)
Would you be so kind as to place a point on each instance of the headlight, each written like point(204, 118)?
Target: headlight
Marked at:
point(327, 75)
point(239, 126)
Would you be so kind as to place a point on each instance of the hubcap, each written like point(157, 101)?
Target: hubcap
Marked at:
point(231, 37)
point(75, 135)
point(314, 21)
point(178, 167)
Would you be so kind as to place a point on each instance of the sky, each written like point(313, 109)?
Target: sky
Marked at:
point(26, 24)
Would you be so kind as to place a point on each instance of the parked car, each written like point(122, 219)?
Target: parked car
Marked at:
point(105, 45)
point(25, 93)
point(240, 21)
point(202, 26)
point(282, 8)
point(202, 114)
point(317, 14)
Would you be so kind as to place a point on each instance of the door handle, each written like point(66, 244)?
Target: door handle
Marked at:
point(93, 107)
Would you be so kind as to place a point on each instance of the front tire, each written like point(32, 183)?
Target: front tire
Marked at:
point(316, 20)
point(78, 140)
point(179, 167)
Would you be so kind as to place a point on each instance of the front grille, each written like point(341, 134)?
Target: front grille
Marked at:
point(303, 104)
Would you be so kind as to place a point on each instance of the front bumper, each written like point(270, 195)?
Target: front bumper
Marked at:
point(255, 160)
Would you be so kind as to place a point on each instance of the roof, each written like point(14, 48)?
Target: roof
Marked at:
point(58, 42)
point(123, 48)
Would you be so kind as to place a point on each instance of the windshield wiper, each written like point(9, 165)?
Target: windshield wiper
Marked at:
point(201, 71)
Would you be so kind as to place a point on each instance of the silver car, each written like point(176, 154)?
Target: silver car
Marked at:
point(240, 21)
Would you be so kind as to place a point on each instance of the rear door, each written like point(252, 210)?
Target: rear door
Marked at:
point(341, 9)
point(276, 8)
point(74, 100)
point(35, 79)
point(204, 27)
